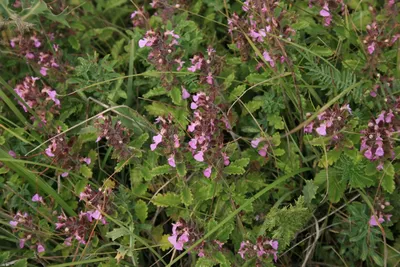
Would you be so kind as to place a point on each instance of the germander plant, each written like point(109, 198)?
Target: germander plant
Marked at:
point(199, 133)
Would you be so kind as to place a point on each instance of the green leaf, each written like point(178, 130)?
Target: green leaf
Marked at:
point(21, 263)
point(276, 121)
point(176, 96)
point(85, 171)
point(166, 200)
point(337, 186)
point(2, 140)
point(117, 233)
point(234, 170)
point(222, 260)
point(141, 210)
point(138, 142)
point(80, 186)
point(388, 177)
point(186, 196)
point(155, 92)
point(243, 162)
point(322, 51)
point(204, 262)
point(181, 169)
point(160, 170)
point(238, 91)
point(73, 41)
point(309, 191)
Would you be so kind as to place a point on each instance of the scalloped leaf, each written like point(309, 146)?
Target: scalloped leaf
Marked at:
point(141, 210)
point(166, 200)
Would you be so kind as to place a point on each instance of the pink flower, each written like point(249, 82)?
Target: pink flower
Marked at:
point(96, 215)
point(268, 58)
point(171, 33)
point(22, 242)
point(207, 172)
point(373, 222)
point(368, 154)
point(309, 128)
point(199, 156)
point(371, 48)
point(379, 152)
point(171, 161)
point(321, 130)
point(29, 55)
point(209, 78)
point(256, 142)
point(87, 160)
point(12, 154)
point(263, 151)
point(193, 143)
point(52, 94)
point(274, 244)
point(180, 62)
point(64, 174)
point(13, 224)
point(49, 152)
point(37, 198)
point(40, 248)
point(156, 139)
point(43, 71)
point(176, 141)
point(193, 105)
point(325, 11)
point(142, 42)
point(226, 159)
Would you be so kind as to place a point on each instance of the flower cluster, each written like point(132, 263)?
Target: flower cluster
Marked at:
point(116, 135)
point(29, 47)
point(262, 249)
point(163, 55)
point(259, 21)
point(62, 153)
point(185, 235)
point(376, 142)
point(206, 132)
point(379, 213)
point(78, 228)
point(24, 220)
point(376, 41)
point(255, 143)
point(326, 9)
point(139, 17)
point(330, 123)
point(168, 138)
point(40, 100)
point(208, 66)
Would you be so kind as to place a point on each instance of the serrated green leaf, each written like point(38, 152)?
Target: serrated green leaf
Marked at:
point(85, 171)
point(309, 191)
point(160, 170)
point(138, 142)
point(222, 260)
point(276, 121)
point(204, 262)
point(176, 96)
point(243, 162)
point(388, 177)
point(234, 170)
point(155, 92)
point(117, 233)
point(238, 91)
point(166, 200)
point(2, 140)
point(181, 169)
point(73, 41)
point(228, 80)
point(80, 186)
point(141, 210)
point(337, 186)
point(186, 196)
point(146, 173)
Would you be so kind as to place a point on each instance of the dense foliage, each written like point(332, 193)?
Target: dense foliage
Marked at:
point(199, 133)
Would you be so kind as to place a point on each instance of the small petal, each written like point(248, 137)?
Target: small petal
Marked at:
point(207, 172)
point(185, 93)
point(40, 248)
point(321, 130)
point(21, 242)
point(13, 224)
point(171, 161)
point(199, 156)
point(37, 198)
point(12, 154)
